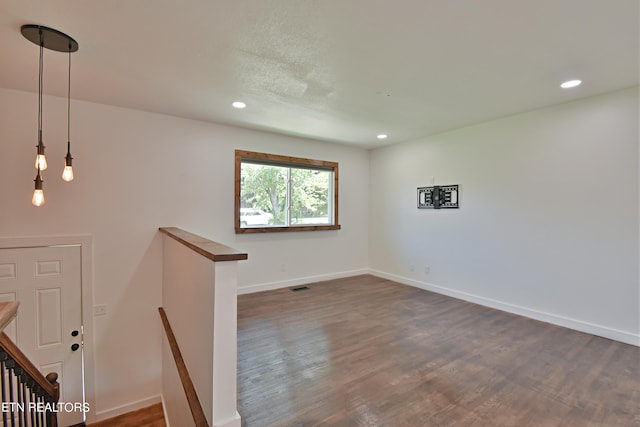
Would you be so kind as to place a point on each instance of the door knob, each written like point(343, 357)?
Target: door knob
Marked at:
point(74, 333)
point(74, 347)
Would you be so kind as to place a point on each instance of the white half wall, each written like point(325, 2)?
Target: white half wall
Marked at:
point(134, 172)
point(548, 221)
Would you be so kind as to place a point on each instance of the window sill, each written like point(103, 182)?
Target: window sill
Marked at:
point(240, 230)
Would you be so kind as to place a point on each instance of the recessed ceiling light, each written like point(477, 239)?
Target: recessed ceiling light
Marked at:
point(570, 83)
point(382, 136)
point(239, 104)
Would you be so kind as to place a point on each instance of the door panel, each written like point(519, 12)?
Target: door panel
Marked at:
point(48, 317)
point(47, 282)
point(8, 270)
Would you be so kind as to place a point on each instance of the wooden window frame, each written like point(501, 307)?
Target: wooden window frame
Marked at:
point(287, 161)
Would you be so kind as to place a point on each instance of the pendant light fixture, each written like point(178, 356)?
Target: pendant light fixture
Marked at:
point(67, 173)
point(41, 160)
point(49, 38)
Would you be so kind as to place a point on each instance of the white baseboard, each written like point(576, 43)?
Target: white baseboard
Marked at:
point(578, 325)
point(164, 412)
point(233, 422)
point(129, 407)
point(299, 281)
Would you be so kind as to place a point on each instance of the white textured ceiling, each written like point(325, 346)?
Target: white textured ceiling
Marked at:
point(337, 70)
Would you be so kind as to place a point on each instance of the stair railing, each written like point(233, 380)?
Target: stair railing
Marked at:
point(29, 398)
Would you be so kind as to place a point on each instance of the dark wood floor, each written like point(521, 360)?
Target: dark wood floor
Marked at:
point(365, 351)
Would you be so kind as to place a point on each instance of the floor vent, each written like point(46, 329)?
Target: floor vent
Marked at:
point(300, 288)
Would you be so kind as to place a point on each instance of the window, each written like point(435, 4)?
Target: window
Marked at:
point(280, 193)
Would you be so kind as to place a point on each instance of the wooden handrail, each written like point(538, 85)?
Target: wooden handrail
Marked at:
point(49, 383)
point(216, 252)
point(8, 312)
point(189, 390)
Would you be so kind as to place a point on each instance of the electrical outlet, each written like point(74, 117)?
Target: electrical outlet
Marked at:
point(412, 268)
point(283, 268)
point(427, 269)
point(100, 310)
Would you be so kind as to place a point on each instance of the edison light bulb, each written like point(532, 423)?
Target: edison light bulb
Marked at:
point(38, 198)
point(67, 173)
point(38, 194)
point(41, 162)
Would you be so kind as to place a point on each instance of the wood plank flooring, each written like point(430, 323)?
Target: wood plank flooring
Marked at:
point(151, 416)
point(365, 351)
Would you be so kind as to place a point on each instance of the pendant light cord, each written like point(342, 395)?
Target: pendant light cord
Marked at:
point(40, 88)
point(69, 105)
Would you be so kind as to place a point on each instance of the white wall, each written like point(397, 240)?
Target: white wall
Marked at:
point(548, 224)
point(136, 171)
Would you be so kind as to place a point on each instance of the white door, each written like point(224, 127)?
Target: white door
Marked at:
point(48, 328)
